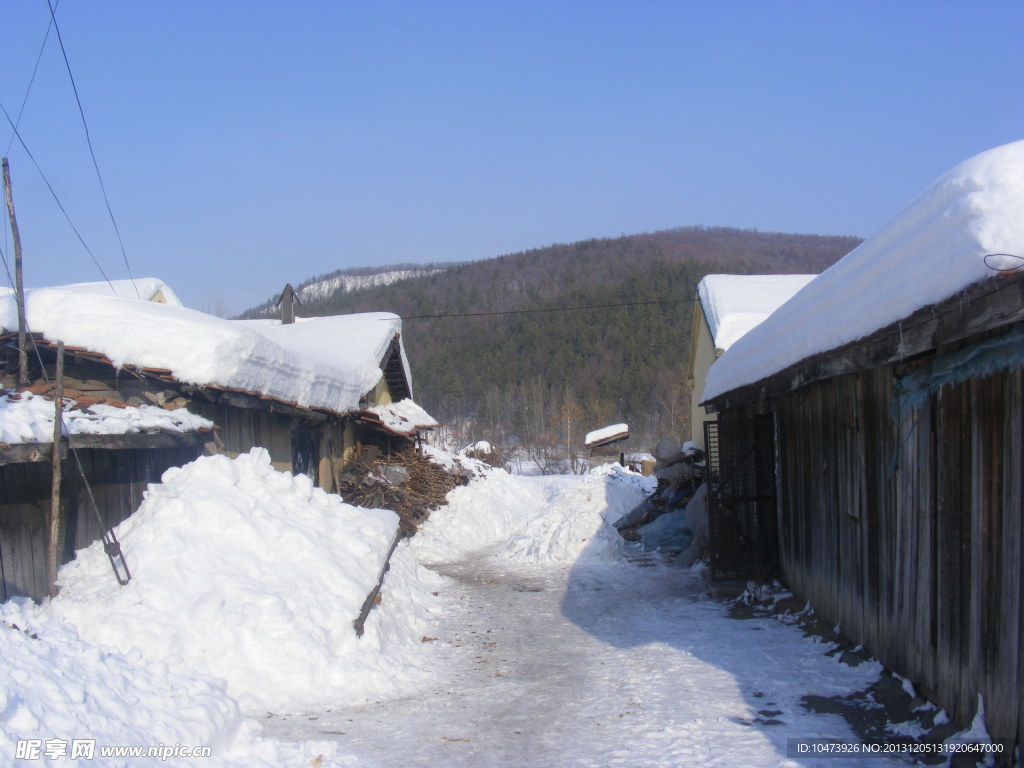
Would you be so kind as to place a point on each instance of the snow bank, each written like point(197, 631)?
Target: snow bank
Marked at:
point(54, 686)
point(934, 248)
point(255, 576)
point(546, 519)
point(29, 419)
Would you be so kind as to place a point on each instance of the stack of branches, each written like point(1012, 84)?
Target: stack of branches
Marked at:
point(403, 481)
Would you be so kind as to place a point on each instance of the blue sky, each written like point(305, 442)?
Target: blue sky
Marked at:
point(247, 144)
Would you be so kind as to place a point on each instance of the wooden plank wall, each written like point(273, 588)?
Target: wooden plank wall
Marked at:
point(118, 480)
point(907, 530)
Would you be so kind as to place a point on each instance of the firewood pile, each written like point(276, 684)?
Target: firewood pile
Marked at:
point(405, 482)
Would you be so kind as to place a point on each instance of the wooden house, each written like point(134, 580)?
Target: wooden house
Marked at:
point(727, 307)
point(312, 393)
point(869, 449)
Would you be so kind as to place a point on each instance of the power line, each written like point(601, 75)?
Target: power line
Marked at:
point(56, 199)
point(88, 140)
point(32, 79)
point(551, 309)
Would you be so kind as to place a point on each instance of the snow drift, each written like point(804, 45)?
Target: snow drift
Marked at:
point(255, 576)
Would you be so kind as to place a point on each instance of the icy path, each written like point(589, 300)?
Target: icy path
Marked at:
point(605, 666)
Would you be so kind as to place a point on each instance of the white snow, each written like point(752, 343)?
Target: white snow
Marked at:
point(355, 344)
point(931, 250)
point(141, 288)
point(328, 363)
point(610, 432)
point(733, 304)
point(346, 283)
point(28, 418)
point(403, 417)
point(543, 644)
point(254, 576)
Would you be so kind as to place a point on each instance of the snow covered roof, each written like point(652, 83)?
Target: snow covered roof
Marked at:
point(144, 288)
point(605, 435)
point(355, 343)
point(930, 251)
point(401, 418)
point(327, 363)
point(733, 304)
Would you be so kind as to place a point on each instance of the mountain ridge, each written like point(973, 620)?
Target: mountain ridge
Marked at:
point(568, 337)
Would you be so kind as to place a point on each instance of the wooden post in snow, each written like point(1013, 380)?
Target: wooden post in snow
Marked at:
point(19, 287)
point(53, 541)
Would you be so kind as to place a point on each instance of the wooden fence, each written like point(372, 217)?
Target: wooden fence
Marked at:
point(904, 524)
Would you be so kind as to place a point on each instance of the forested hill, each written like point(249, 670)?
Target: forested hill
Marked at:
point(530, 374)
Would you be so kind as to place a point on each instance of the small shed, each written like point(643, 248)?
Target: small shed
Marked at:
point(882, 410)
point(606, 445)
point(728, 307)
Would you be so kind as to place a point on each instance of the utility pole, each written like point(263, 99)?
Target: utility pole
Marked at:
point(53, 541)
point(19, 288)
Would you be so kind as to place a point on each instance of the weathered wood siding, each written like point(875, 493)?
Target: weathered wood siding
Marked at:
point(118, 479)
point(906, 528)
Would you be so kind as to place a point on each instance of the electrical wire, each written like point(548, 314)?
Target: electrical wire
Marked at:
point(447, 315)
point(60, 205)
point(992, 261)
point(88, 140)
point(35, 69)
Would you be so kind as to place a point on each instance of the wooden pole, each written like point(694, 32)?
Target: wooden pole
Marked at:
point(58, 425)
point(19, 288)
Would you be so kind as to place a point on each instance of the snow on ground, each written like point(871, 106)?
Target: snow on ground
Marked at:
point(934, 248)
point(539, 644)
point(28, 418)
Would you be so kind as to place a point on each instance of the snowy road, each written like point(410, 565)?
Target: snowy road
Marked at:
point(618, 665)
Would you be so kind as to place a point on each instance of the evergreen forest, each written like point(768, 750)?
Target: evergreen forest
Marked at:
point(532, 350)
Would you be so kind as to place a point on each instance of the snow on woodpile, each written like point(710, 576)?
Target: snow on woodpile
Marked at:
point(606, 435)
point(931, 250)
point(28, 418)
point(255, 576)
point(403, 417)
point(733, 304)
point(205, 350)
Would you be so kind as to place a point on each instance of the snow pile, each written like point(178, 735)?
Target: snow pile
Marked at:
point(55, 686)
point(255, 576)
point(545, 519)
point(330, 363)
point(28, 418)
point(934, 248)
point(403, 417)
point(733, 304)
point(575, 525)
